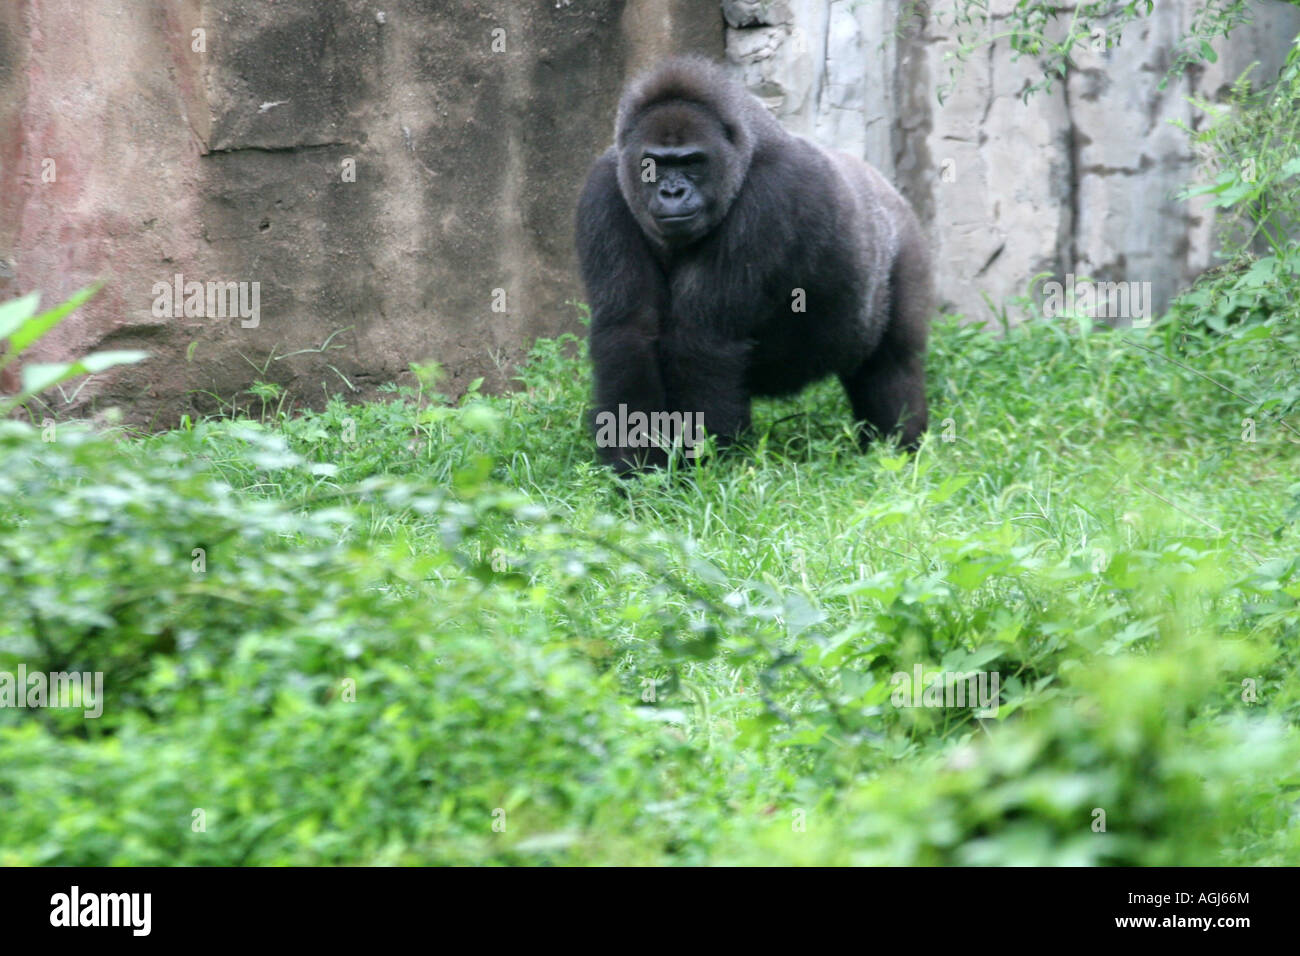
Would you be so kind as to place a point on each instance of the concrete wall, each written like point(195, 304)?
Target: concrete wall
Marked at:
point(131, 152)
point(227, 163)
point(1080, 180)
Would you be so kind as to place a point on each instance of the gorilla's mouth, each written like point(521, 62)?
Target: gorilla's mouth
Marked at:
point(675, 222)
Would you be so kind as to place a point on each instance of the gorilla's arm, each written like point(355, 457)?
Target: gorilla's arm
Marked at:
point(627, 295)
point(703, 361)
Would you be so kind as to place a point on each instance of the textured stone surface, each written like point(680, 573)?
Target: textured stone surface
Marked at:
point(227, 165)
point(1078, 180)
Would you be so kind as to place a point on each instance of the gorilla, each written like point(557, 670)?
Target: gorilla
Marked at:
point(725, 258)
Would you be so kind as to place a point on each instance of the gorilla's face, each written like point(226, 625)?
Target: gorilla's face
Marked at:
point(676, 160)
point(675, 195)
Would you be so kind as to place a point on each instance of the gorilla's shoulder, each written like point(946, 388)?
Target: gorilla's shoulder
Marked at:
point(602, 177)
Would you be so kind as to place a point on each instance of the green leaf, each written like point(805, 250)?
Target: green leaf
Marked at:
point(33, 329)
point(39, 376)
point(17, 311)
point(948, 488)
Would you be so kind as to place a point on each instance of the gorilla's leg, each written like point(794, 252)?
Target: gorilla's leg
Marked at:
point(888, 396)
point(887, 391)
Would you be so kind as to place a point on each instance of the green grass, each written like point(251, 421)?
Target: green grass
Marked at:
point(431, 634)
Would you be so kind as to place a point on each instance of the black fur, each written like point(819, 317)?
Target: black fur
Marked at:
point(697, 314)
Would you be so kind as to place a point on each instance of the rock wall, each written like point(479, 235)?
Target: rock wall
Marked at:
point(397, 176)
point(1080, 180)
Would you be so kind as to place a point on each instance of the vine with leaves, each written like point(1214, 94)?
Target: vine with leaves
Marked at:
point(1057, 33)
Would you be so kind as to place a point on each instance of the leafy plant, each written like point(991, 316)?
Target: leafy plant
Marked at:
point(1055, 33)
point(1251, 147)
point(21, 326)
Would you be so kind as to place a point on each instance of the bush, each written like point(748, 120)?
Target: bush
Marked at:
point(320, 698)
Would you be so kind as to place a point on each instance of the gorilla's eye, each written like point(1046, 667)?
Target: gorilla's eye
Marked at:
point(687, 158)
